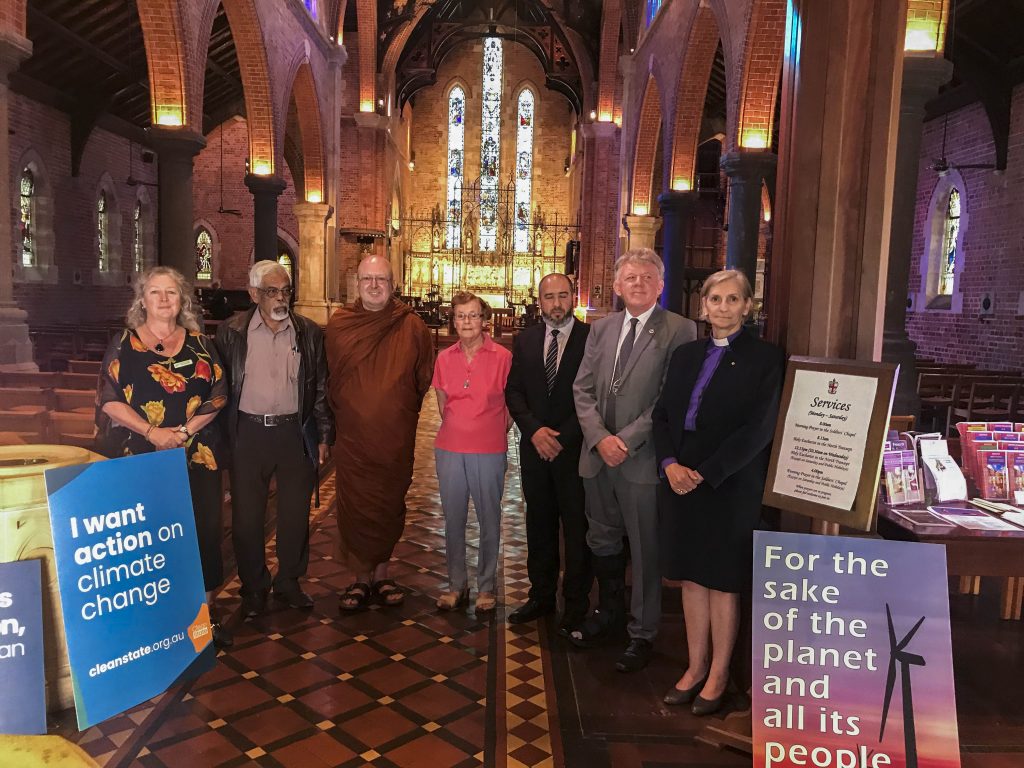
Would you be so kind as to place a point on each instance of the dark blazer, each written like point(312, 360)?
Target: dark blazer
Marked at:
point(736, 416)
point(317, 419)
point(526, 392)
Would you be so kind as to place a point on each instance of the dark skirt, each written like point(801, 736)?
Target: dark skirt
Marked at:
point(707, 535)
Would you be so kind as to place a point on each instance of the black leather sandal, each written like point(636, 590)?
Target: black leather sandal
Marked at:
point(355, 596)
point(386, 592)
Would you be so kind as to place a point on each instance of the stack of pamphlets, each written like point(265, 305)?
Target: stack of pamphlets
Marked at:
point(975, 520)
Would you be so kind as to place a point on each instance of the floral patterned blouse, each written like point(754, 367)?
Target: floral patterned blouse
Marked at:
point(166, 392)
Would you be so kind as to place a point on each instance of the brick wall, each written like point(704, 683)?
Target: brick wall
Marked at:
point(234, 233)
point(993, 244)
point(76, 297)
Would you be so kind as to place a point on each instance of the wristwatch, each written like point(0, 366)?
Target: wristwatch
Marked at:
point(184, 430)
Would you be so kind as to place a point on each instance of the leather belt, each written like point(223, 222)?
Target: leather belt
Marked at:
point(270, 419)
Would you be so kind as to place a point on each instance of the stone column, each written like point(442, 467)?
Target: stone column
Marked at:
point(312, 272)
point(922, 76)
point(265, 191)
point(840, 100)
point(176, 148)
point(678, 210)
point(599, 220)
point(642, 230)
point(15, 344)
point(746, 171)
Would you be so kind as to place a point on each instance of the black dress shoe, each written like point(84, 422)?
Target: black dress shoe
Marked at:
point(254, 604)
point(702, 706)
point(596, 626)
point(568, 623)
point(530, 610)
point(222, 637)
point(636, 657)
point(685, 695)
point(295, 598)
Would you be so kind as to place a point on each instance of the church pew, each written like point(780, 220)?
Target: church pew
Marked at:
point(26, 399)
point(78, 381)
point(75, 400)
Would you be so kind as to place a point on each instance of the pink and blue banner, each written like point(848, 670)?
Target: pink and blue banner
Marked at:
point(852, 662)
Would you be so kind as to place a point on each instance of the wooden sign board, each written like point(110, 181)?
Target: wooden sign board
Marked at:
point(827, 454)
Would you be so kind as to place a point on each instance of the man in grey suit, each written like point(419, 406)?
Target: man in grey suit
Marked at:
point(617, 385)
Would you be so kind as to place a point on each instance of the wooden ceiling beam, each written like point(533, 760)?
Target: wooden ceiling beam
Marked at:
point(86, 46)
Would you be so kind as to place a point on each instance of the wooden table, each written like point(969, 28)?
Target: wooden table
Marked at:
point(972, 554)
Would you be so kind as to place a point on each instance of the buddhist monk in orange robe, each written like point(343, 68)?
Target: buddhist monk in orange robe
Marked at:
point(381, 360)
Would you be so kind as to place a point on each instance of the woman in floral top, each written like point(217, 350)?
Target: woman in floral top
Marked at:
point(161, 387)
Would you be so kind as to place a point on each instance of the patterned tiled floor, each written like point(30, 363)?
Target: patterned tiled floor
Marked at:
point(405, 686)
point(411, 687)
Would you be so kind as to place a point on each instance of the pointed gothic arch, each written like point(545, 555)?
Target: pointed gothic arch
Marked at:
point(760, 70)
point(307, 103)
point(691, 92)
point(647, 137)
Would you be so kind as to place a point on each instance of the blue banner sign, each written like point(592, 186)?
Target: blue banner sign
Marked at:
point(22, 686)
point(131, 583)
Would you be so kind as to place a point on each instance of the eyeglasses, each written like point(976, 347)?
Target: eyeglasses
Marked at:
point(371, 279)
point(468, 315)
point(273, 293)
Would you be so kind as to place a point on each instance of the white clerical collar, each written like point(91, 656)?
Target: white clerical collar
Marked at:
point(728, 339)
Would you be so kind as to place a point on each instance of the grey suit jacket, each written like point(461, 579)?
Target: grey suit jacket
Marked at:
point(638, 391)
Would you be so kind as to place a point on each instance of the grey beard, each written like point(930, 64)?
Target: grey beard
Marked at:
point(557, 323)
point(279, 313)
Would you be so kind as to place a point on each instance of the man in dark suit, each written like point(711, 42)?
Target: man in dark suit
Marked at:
point(618, 383)
point(545, 359)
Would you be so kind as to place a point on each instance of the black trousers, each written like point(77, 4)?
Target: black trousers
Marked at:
point(554, 494)
point(261, 453)
point(207, 503)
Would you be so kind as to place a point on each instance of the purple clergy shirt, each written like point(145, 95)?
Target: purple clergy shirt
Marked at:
point(712, 357)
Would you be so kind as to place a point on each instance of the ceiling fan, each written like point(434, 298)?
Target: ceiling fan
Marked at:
point(222, 209)
point(942, 166)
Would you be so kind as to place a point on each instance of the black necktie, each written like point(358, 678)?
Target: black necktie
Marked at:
point(551, 360)
point(626, 349)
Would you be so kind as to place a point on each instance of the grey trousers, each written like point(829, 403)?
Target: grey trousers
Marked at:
point(617, 507)
point(481, 476)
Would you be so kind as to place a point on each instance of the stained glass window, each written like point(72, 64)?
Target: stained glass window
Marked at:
point(204, 255)
point(949, 255)
point(28, 223)
point(653, 6)
point(490, 144)
point(285, 260)
point(102, 231)
point(524, 170)
point(456, 158)
point(138, 255)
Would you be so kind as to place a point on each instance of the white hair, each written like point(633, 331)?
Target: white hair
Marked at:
point(261, 269)
point(640, 256)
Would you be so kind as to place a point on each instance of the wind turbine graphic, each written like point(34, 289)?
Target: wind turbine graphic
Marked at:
point(905, 659)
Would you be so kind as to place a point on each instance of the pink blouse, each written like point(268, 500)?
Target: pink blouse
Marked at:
point(473, 420)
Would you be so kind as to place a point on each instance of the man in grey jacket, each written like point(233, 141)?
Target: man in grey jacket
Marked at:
point(616, 388)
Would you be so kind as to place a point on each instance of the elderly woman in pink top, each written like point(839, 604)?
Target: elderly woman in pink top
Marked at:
point(469, 379)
